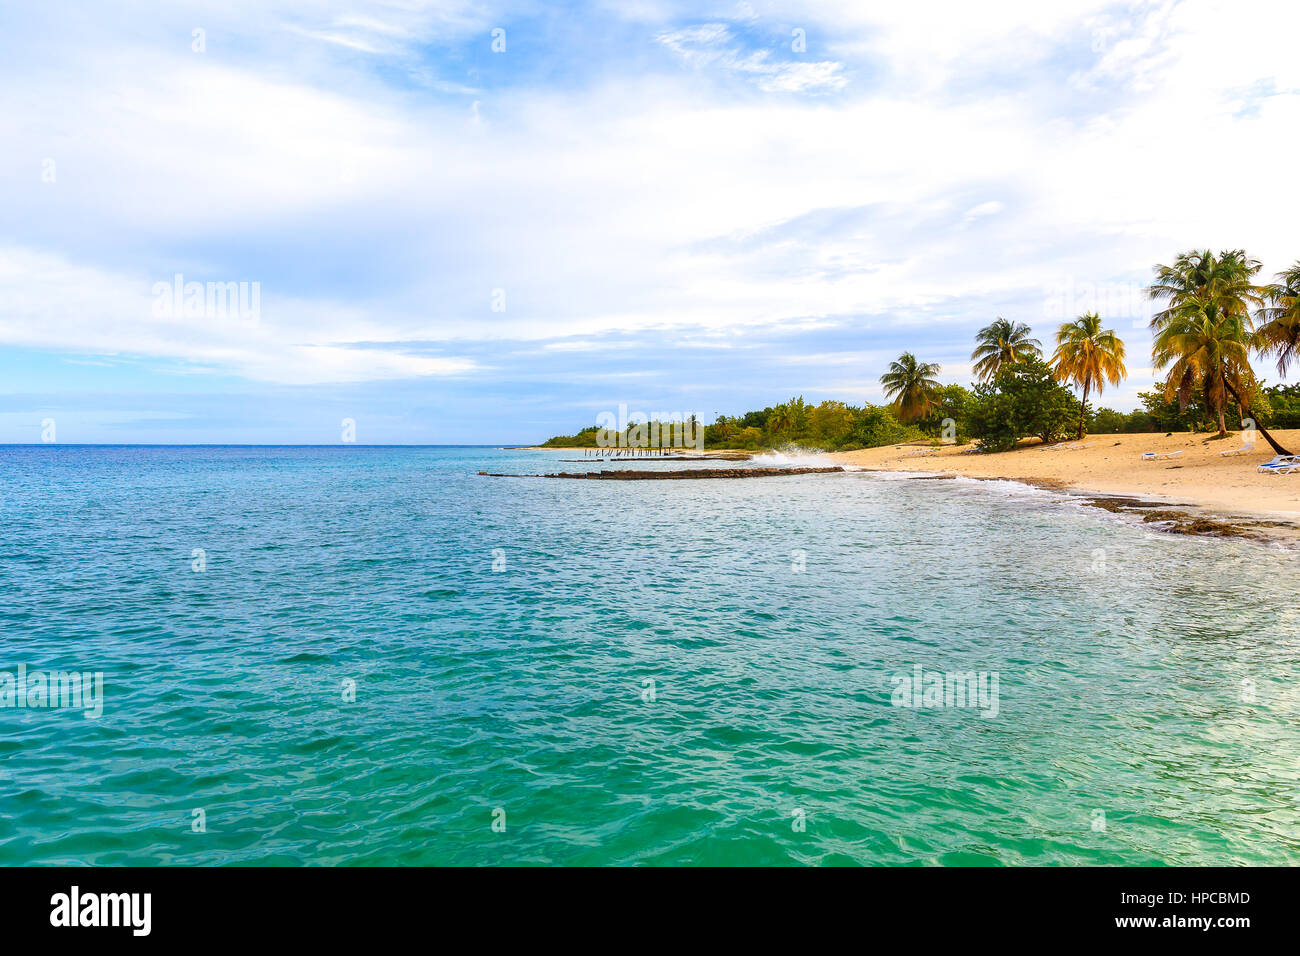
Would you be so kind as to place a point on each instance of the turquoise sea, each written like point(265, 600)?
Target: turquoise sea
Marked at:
point(693, 672)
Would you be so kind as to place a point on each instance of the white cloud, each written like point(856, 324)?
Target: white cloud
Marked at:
point(646, 201)
point(990, 208)
point(714, 45)
point(53, 304)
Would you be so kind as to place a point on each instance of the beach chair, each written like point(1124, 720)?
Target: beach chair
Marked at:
point(922, 451)
point(1281, 465)
point(1077, 444)
point(1245, 449)
point(1160, 455)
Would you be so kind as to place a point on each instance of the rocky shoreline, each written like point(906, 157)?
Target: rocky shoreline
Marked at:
point(630, 474)
point(1169, 517)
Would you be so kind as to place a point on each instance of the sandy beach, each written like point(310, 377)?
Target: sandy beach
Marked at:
point(1112, 464)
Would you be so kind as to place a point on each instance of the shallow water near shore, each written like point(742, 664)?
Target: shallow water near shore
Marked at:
point(625, 672)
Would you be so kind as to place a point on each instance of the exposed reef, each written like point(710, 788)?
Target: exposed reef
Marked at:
point(630, 474)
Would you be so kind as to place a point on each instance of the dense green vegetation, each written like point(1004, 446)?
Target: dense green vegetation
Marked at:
point(1023, 399)
point(1214, 317)
point(832, 426)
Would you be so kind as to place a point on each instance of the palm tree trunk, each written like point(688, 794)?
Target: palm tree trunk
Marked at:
point(1262, 430)
point(1083, 408)
point(1223, 428)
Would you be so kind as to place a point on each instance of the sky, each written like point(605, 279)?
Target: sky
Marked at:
point(486, 223)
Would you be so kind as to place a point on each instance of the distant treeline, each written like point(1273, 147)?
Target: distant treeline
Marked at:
point(1215, 316)
point(837, 426)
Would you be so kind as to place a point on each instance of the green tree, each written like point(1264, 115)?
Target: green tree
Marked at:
point(912, 387)
point(1279, 332)
point(1205, 333)
point(1107, 421)
point(1167, 415)
point(951, 405)
point(781, 421)
point(1002, 343)
point(878, 426)
point(1206, 352)
point(1088, 356)
point(720, 433)
point(831, 422)
point(1023, 399)
point(1284, 402)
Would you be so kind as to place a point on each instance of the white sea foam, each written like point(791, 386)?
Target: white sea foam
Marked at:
point(1010, 489)
point(793, 456)
point(902, 475)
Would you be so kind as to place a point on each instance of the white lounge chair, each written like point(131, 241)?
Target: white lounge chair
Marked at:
point(1281, 465)
point(922, 451)
point(1245, 449)
point(1160, 455)
point(1079, 444)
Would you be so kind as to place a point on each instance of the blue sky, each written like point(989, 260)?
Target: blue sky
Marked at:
point(681, 207)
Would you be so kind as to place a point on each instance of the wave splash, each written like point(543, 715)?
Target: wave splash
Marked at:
point(793, 455)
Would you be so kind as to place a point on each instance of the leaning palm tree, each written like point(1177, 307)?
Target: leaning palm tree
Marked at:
point(1207, 352)
point(1088, 355)
point(1002, 343)
point(912, 386)
point(1205, 331)
point(1278, 334)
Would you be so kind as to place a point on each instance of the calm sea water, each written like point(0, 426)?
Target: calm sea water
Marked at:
point(655, 673)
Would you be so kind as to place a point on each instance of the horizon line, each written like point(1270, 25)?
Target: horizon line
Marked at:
point(247, 445)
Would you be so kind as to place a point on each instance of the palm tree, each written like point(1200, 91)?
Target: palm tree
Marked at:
point(1205, 332)
point(1087, 355)
point(912, 386)
point(781, 419)
point(1209, 352)
point(1226, 281)
point(1002, 343)
point(1279, 331)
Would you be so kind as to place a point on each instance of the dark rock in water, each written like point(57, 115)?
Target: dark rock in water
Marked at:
point(1116, 504)
point(664, 458)
point(629, 474)
point(1173, 519)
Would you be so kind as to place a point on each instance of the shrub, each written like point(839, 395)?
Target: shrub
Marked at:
point(1023, 400)
point(878, 426)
